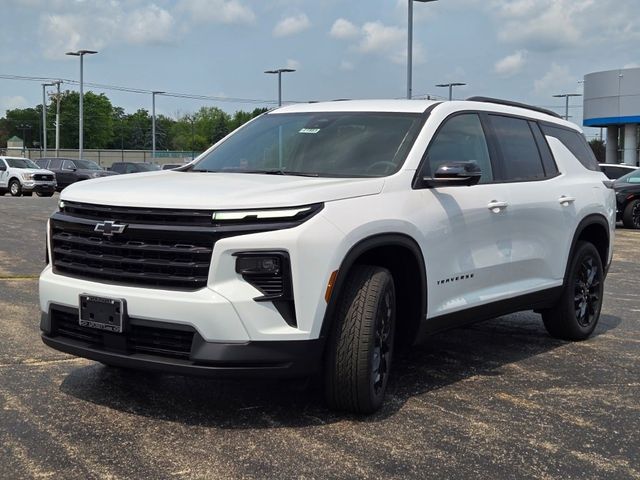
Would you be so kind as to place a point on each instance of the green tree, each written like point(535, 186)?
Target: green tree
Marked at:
point(26, 124)
point(98, 120)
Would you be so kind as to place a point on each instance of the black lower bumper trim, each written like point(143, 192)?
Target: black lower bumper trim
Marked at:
point(210, 359)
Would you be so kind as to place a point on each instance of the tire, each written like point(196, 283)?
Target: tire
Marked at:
point(44, 194)
point(15, 188)
point(576, 314)
point(360, 349)
point(631, 214)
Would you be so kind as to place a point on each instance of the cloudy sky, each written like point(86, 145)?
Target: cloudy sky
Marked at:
point(525, 50)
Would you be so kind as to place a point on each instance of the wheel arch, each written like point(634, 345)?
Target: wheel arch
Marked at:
point(593, 228)
point(403, 257)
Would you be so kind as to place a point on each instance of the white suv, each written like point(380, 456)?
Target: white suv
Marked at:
point(21, 176)
point(319, 237)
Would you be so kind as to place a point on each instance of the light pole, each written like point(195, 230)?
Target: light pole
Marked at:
point(451, 85)
point(280, 71)
point(153, 122)
point(410, 45)
point(57, 95)
point(81, 54)
point(566, 105)
point(44, 117)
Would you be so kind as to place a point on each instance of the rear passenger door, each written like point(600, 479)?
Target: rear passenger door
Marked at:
point(541, 213)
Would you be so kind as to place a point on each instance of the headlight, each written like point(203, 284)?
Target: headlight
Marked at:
point(95, 174)
point(267, 215)
point(27, 176)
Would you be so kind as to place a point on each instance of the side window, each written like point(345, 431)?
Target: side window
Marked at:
point(130, 168)
point(55, 164)
point(3, 163)
point(548, 162)
point(575, 143)
point(460, 139)
point(42, 163)
point(520, 155)
point(68, 165)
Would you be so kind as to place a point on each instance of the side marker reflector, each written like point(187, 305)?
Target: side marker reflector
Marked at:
point(332, 282)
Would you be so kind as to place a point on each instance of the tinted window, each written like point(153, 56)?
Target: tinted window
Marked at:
point(548, 162)
point(56, 164)
point(575, 143)
point(21, 163)
point(42, 163)
point(68, 165)
point(521, 158)
point(633, 177)
point(343, 144)
point(460, 139)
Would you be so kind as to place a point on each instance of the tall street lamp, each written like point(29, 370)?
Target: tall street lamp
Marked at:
point(44, 117)
point(451, 85)
point(410, 46)
point(153, 122)
point(81, 54)
point(280, 71)
point(566, 105)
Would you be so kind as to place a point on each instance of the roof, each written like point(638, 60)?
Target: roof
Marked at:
point(406, 106)
point(14, 139)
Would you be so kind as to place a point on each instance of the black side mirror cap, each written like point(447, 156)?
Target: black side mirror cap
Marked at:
point(453, 174)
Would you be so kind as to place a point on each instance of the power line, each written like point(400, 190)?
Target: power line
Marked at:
point(120, 88)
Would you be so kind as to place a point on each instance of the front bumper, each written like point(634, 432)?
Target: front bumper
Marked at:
point(179, 349)
point(39, 187)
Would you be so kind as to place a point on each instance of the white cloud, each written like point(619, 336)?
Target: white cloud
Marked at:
point(376, 38)
point(149, 24)
point(557, 80)
point(343, 29)
point(291, 25)
point(218, 11)
point(11, 102)
point(294, 64)
point(347, 66)
point(511, 64)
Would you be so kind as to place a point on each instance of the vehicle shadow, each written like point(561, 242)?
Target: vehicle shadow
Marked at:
point(480, 350)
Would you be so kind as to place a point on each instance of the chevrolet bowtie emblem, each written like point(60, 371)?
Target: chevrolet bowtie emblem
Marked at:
point(109, 228)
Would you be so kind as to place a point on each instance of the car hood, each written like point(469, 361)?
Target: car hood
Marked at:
point(201, 190)
point(36, 170)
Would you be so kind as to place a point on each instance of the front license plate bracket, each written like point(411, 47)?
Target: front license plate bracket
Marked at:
point(102, 313)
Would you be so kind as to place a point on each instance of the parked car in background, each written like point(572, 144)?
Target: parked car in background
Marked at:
point(171, 166)
point(616, 170)
point(71, 170)
point(628, 199)
point(21, 176)
point(133, 167)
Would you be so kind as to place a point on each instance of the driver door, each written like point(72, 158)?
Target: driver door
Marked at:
point(4, 173)
point(467, 245)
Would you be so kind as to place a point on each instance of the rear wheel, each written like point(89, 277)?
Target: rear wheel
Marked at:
point(360, 349)
point(631, 214)
point(576, 314)
point(15, 189)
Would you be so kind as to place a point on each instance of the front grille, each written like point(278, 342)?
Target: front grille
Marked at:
point(166, 341)
point(148, 252)
point(42, 177)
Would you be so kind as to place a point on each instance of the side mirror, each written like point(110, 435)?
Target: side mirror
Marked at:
point(453, 174)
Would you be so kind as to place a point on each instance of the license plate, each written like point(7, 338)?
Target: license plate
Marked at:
point(102, 313)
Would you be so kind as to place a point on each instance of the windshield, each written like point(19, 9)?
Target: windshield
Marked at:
point(146, 167)
point(87, 165)
point(21, 163)
point(633, 177)
point(344, 144)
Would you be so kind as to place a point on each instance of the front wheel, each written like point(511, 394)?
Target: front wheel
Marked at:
point(15, 189)
point(360, 349)
point(576, 314)
point(631, 214)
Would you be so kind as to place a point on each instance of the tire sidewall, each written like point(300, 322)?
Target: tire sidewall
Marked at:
point(583, 251)
point(18, 188)
point(627, 215)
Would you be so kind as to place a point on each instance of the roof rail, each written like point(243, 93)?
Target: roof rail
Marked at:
point(513, 104)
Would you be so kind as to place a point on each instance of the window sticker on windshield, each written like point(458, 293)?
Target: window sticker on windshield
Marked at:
point(309, 130)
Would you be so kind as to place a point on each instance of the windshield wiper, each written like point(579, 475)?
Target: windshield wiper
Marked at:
point(278, 171)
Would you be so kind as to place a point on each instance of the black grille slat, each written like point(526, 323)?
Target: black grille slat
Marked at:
point(159, 341)
point(42, 177)
point(170, 252)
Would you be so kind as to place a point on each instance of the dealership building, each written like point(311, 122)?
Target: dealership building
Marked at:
point(612, 101)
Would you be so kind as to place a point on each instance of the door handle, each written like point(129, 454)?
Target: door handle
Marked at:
point(566, 200)
point(496, 206)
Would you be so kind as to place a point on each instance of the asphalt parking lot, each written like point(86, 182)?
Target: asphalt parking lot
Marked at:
point(497, 400)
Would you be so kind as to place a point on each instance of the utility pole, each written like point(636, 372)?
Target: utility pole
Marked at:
point(44, 117)
point(57, 98)
point(153, 122)
point(81, 54)
point(451, 85)
point(566, 97)
point(410, 45)
point(279, 72)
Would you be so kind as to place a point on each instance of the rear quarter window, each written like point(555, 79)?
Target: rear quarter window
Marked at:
point(575, 143)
